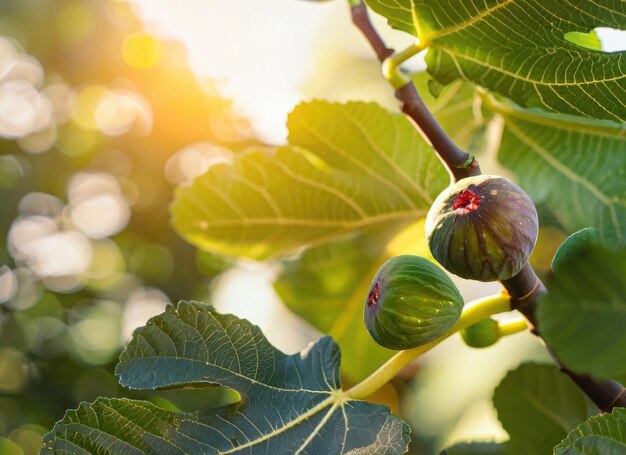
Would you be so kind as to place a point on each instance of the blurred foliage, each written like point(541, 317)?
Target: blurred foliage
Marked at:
point(97, 120)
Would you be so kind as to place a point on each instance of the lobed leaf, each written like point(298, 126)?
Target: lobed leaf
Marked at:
point(523, 49)
point(538, 406)
point(584, 313)
point(600, 435)
point(289, 404)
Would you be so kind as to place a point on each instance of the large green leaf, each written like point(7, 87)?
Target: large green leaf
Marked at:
point(348, 167)
point(576, 166)
point(518, 48)
point(600, 435)
point(538, 406)
point(583, 316)
point(290, 404)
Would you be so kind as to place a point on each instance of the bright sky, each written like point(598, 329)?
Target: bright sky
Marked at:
point(260, 51)
point(250, 46)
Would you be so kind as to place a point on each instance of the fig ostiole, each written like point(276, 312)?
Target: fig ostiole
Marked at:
point(411, 302)
point(482, 334)
point(482, 228)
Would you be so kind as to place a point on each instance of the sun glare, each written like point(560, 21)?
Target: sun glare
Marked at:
point(254, 57)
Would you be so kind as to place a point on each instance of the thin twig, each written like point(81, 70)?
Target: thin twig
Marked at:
point(460, 164)
point(525, 288)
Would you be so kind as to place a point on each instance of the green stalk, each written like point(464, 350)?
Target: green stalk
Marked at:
point(391, 65)
point(473, 312)
point(511, 327)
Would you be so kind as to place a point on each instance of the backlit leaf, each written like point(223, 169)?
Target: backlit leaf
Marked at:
point(350, 167)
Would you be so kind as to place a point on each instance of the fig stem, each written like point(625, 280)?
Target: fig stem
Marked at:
point(361, 20)
point(512, 326)
point(460, 164)
point(474, 311)
point(391, 65)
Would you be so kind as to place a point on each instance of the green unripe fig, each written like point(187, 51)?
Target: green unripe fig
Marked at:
point(482, 334)
point(482, 228)
point(411, 301)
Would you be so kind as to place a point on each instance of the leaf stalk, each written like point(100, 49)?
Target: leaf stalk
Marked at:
point(511, 327)
point(473, 312)
point(391, 65)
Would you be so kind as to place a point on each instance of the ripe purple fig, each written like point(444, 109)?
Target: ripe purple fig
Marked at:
point(482, 228)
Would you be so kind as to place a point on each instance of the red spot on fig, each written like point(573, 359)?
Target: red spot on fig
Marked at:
point(467, 201)
point(374, 295)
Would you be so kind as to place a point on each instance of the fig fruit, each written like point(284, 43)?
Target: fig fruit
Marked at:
point(483, 228)
point(482, 334)
point(411, 301)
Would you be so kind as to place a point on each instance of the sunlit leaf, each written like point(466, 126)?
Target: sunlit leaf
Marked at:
point(348, 167)
point(519, 49)
point(584, 314)
point(576, 166)
point(538, 406)
point(600, 435)
point(290, 404)
point(589, 40)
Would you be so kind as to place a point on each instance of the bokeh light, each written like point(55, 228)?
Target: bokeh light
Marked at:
point(13, 370)
point(195, 160)
point(87, 101)
point(12, 170)
point(8, 284)
point(23, 110)
point(140, 306)
point(140, 50)
point(120, 110)
point(95, 331)
point(97, 207)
